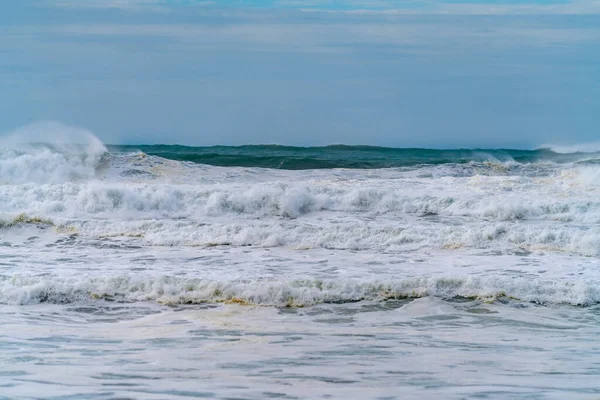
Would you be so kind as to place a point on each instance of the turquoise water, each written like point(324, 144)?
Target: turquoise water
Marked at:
point(342, 156)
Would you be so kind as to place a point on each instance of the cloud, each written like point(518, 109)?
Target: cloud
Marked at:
point(215, 74)
point(453, 7)
point(120, 4)
point(344, 35)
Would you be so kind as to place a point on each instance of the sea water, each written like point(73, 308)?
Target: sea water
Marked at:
point(145, 272)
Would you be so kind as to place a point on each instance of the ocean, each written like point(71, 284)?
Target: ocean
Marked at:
point(338, 272)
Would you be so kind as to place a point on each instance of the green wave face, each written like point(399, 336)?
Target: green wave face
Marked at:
point(342, 156)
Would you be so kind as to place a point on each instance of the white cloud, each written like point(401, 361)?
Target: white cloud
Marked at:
point(317, 35)
point(361, 6)
point(140, 5)
point(122, 4)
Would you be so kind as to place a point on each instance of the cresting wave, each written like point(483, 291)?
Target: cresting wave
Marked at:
point(288, 201)
point(591, 147)
point(546, 204)
point(356, 236)
point(26, 155)
point(297, 293)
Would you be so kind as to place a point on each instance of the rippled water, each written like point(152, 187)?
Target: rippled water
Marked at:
point(424, 348)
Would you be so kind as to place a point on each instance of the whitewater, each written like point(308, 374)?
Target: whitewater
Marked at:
point(165, 272)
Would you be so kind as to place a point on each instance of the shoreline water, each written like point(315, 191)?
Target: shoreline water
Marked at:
point(148, 277)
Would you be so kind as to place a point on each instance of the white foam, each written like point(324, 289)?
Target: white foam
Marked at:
point(589, 147)
point(572, 200)
point(358, 210)
point(48, 153)
point(297, 293)
point(124, 237)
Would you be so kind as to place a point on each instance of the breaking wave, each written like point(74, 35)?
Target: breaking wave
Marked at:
point(590, 147)
point(286, 200)
point(49, 153)
point(296, 293)
point(173, 204)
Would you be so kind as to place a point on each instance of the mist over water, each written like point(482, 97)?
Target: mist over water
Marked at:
point(49, 152)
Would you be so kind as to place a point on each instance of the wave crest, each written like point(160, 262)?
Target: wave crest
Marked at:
point(295, 293)
point(49, 152)
point(590, 147)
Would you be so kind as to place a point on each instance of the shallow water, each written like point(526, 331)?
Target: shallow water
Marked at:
point(423, 348)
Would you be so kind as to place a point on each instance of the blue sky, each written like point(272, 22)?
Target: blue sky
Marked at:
point(427, 73)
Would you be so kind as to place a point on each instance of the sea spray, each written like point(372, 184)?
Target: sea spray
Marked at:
point(49, 153)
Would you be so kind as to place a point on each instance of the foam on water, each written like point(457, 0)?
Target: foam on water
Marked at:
point(590, 147)
point(502, 205)
point(390, 210)
point(410, 278)
point(49, 153)
point(505, 199)
point(299, 293)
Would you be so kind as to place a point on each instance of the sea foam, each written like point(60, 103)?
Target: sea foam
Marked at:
point(49, 153)
point(74, 194)
point(296, 293)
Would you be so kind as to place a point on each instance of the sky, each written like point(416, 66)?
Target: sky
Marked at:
point(402, 73)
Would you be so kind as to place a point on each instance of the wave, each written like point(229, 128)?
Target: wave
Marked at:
point(342, 156)
point(590, 147)
point(283, 200)
point(502, 237)
point(62, 153)
point(355, 235)
point(24, 219)
point(23, 290)
point(49, 153)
